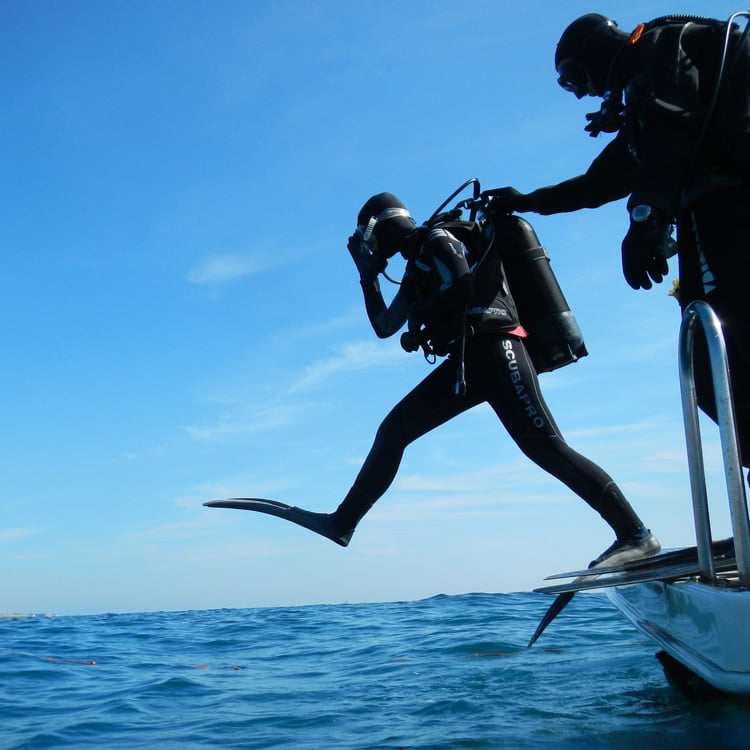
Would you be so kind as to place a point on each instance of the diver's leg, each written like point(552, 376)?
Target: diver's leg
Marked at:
point(518, 402)
point(432, 403)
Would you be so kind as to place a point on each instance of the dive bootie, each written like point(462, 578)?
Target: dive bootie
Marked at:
point(626, 550)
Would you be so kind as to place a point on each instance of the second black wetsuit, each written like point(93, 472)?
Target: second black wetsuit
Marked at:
point(697, 173)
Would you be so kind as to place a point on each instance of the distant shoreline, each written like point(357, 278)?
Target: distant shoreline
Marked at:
point(16, 617)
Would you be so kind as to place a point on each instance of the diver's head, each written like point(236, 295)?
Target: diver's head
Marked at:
point(385, 224)
point(585, 54)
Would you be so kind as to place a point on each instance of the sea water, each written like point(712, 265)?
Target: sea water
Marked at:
point(445, 672)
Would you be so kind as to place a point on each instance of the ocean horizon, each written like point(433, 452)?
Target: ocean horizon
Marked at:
point(444, 672)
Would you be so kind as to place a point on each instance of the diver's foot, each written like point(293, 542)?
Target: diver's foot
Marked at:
point(343, 539)
point(325, 525)
point(627, 550)
point(337, 535)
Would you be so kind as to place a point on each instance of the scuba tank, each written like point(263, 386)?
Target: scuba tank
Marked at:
point(554, 340)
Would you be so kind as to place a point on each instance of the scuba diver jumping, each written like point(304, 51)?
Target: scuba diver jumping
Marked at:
point(456, 304)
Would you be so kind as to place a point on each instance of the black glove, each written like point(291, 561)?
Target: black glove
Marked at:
point(646, 247)
point(368, 264)
point(507, 200)
point(610, 118)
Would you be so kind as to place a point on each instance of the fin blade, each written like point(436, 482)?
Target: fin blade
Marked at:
point(320, 523)
point(722, 549)
point(557, 606)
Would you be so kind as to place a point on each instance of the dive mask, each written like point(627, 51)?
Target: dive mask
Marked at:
point(367, 231)
point(573, 78)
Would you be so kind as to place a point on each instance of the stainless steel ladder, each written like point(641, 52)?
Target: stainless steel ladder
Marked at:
point(700, 313)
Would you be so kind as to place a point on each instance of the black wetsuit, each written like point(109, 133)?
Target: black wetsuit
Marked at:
point(442, 296)
point(698, 174)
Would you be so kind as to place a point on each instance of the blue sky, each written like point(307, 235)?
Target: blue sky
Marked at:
point(181, 320)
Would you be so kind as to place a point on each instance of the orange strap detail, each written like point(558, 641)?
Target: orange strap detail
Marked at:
point(519, 331)
point(637, 33)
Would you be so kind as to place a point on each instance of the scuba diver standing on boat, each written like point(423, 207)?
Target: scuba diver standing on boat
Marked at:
point(676, 91)
point(455, 301)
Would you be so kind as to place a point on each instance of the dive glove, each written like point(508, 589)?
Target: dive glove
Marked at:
point(507, 200)
point(368, 264)
point(646, 247)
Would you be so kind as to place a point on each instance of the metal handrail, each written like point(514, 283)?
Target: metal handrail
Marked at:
point(700, 312)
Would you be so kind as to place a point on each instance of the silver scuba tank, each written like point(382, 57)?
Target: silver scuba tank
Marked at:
point(554, 340)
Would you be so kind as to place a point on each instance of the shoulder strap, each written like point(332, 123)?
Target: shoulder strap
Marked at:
point(467, 232)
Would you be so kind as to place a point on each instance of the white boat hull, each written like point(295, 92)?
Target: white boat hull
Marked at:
point(706, 628)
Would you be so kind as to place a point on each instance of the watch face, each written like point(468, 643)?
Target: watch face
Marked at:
point(640, 213)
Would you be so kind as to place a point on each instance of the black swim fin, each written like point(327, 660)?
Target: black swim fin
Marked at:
point(722, 550)
point(561, 601)
point(557, 606)
point(320, 523)
point(581, 577)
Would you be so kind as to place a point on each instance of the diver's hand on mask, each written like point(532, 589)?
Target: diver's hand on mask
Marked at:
point(368, 264)
point(646, 247)
point(507, 200)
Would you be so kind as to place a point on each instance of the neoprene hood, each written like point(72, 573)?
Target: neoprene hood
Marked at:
point(385, 219)
point(585, 53)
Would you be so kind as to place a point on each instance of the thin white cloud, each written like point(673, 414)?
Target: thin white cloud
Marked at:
point(243, 420)
point(348, 319)
point(222, 269)
point(174, 531)
point(243, 415)
point(10, 535)
point(348, 358)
